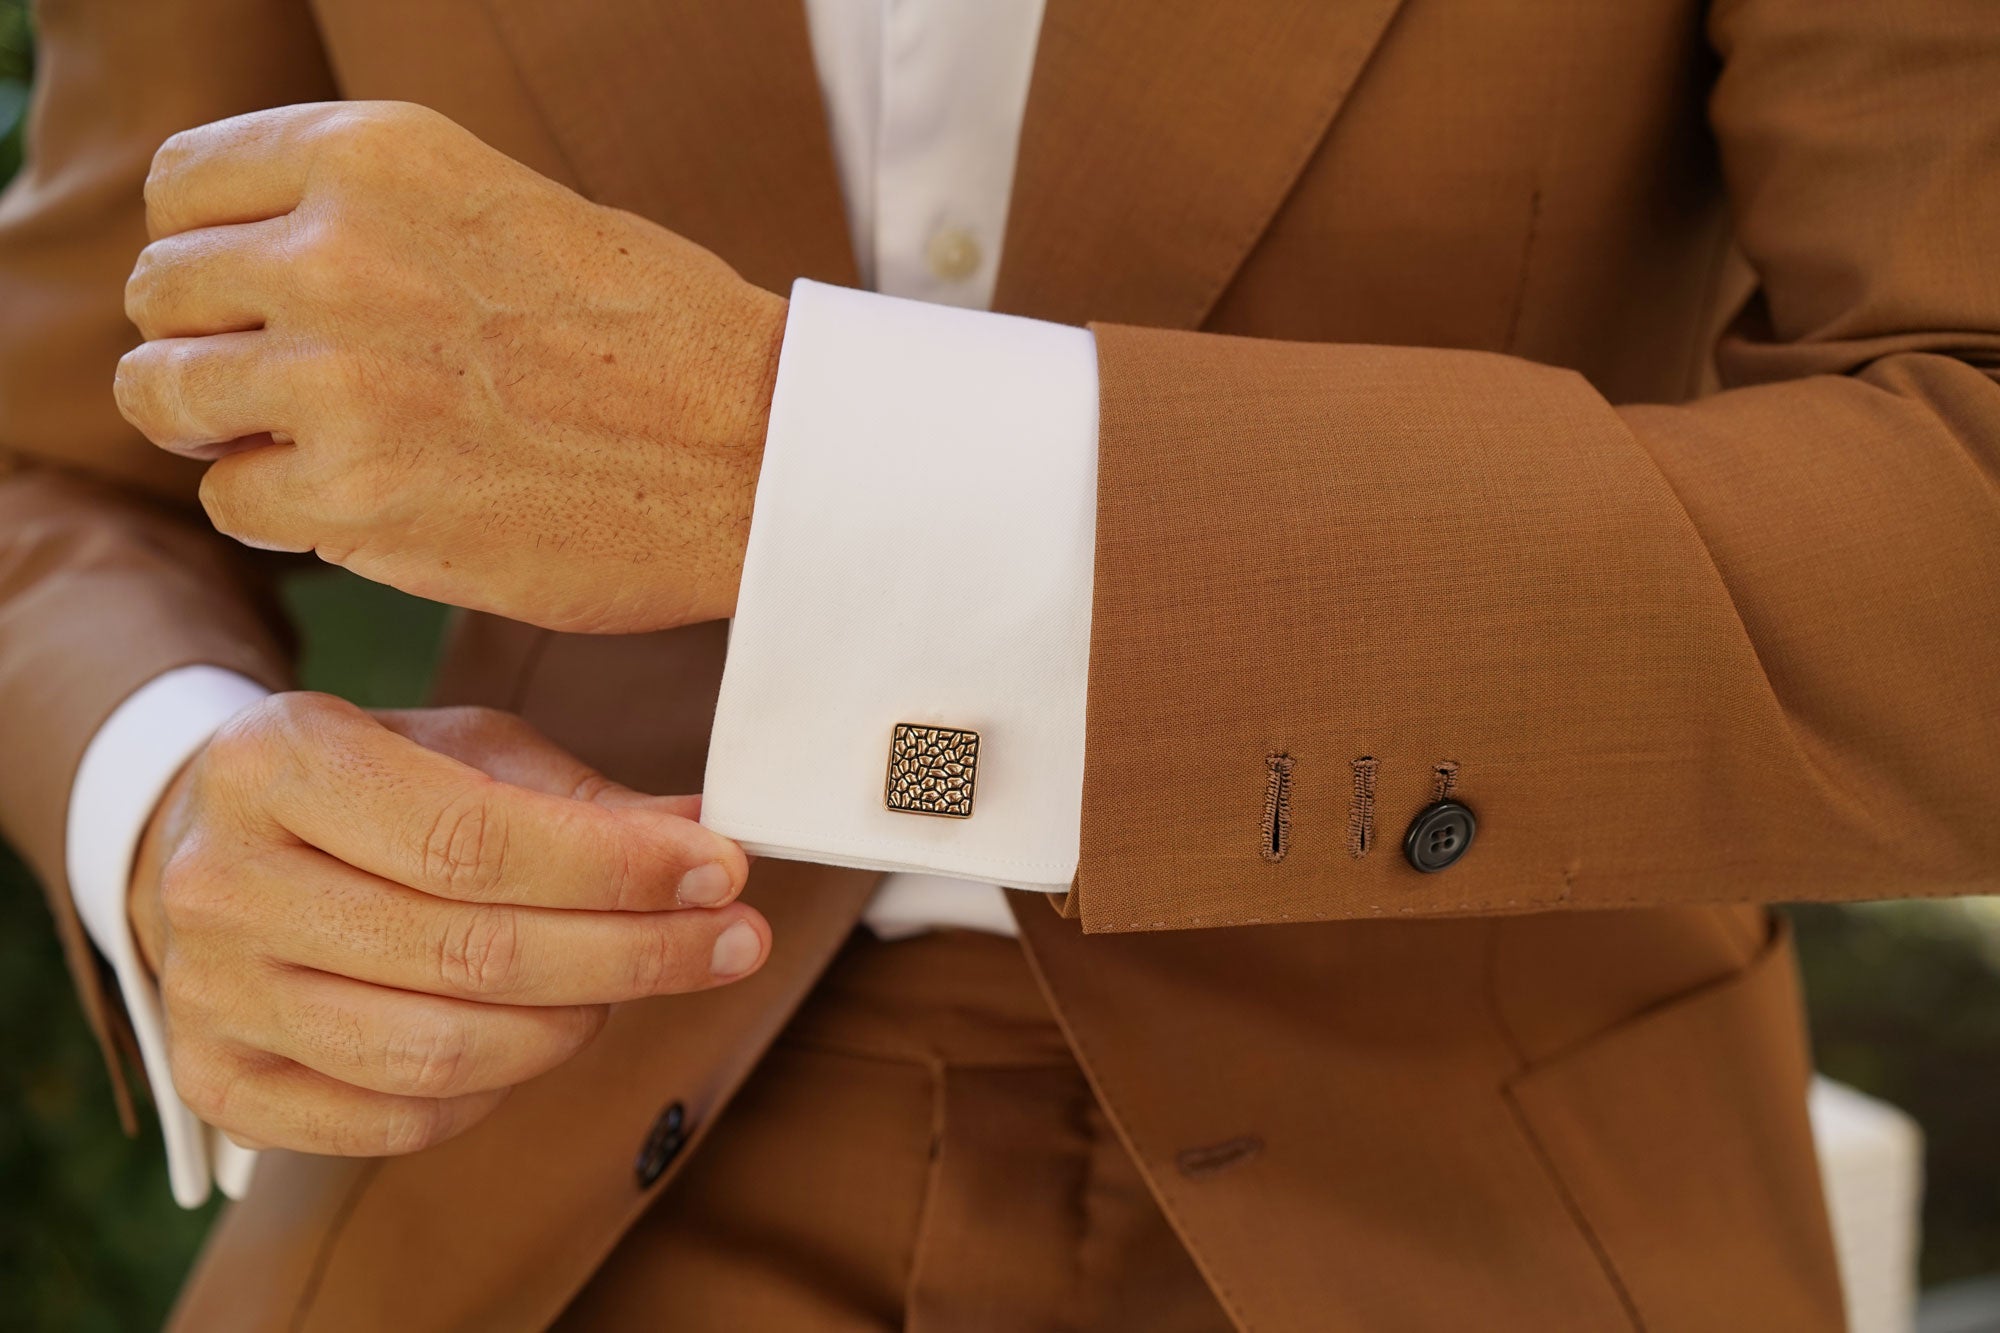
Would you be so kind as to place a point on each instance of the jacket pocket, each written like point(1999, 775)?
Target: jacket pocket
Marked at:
point(1681, 1141)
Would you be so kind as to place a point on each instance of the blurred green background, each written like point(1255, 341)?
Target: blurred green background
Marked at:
point(1905, 1001)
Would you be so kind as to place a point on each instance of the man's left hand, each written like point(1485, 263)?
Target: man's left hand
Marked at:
point(424, 361)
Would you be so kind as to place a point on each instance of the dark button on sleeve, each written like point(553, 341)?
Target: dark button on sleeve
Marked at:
point(1439, 836)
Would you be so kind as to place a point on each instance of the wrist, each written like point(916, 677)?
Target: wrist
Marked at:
point(142, 898)
point(763, 333)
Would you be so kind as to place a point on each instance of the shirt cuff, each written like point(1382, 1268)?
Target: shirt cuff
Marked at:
point(921, 552)
point(126, 768)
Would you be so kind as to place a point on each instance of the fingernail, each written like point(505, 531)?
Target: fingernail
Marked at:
point(704, 886)
point(736, 950)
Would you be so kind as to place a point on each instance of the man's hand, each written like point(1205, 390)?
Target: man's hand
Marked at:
point(427, 363)
point(368, 928)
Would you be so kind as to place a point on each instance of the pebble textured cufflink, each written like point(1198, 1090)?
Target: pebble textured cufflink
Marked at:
point(931, 770)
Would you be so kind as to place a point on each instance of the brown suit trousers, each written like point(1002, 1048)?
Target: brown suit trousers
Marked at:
point(1587, 407)
point(918, 1151)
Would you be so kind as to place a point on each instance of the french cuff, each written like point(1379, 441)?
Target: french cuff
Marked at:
point(905, 682)
point(126, 768)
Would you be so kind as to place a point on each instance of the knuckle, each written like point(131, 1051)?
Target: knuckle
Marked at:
point(353, 137)
point(319, 260)
point(193, 376)
point(469, 732)
point(187, 994)
point(153, 382)
point(168, 159)
point(307, 715)
point(143, 289)
point(383, 119)
point(430, 1059)
point(189, 897)
point(480, 952)
point(411, 1126)
point(585, 1022)
point(465, 846)
point(656, 960)
point(203, 1082)
point(307, 726)
point(590, 786)
point(174, 150)
point(241, 749)
point(135, 386)
point(290, 737)
point(625, 881)
point(219, 500)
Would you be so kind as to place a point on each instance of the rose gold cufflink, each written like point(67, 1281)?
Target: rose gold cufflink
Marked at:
point(932, 770)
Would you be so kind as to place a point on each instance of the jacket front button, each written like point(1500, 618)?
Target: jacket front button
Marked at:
point(663, 1143)
point(1439, 836)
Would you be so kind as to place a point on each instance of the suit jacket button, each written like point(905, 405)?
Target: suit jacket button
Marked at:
point(663, 1143)
point(1439, 836)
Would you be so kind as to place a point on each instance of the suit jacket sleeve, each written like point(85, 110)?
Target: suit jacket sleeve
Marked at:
point(109, 574)
point(1737, 649)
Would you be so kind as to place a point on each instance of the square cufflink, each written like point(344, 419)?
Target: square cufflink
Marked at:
point(932, 770)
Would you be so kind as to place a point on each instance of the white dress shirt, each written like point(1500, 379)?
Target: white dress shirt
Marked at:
point(920, 551)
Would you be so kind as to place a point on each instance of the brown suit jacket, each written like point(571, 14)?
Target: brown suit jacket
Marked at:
point(1411, 452)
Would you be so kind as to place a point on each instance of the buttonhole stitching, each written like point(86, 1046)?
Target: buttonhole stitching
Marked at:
point(1361, 814)
point(1195, 1163)
point(1444, 779)
point(1277, 807)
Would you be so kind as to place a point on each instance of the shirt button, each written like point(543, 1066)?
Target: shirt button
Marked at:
point(663, 1143)
point(1439, 836)
point(954, 254)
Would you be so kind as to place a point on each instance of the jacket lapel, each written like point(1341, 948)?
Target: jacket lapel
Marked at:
point(703, 116)
point(1161, 136)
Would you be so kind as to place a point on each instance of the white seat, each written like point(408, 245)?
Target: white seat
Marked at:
point(1871, 1161)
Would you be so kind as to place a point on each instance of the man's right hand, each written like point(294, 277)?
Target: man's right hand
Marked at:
point(367, 927)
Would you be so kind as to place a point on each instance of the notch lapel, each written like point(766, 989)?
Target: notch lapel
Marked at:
point(1160, 138)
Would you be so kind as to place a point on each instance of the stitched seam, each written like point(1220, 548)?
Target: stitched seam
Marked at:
point(927, 1210)
point(1361, 813)
point(1277, 808)
point(505, 41)
point(1570, 1205)
point(1527, 262)
point(1087, 1062)
point(1094, 1253)
point(1532, 903)
point(1701, 343)
point(309, 1293)
point(1517, 1053)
